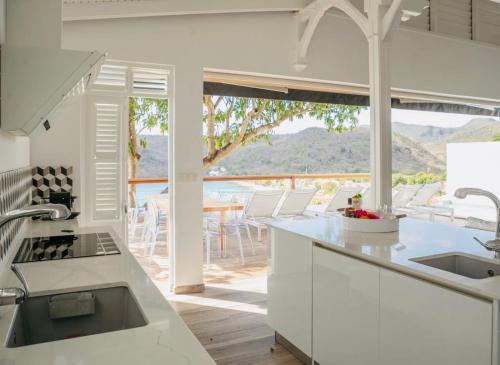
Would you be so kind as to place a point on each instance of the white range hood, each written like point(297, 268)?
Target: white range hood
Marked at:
point(36, 80)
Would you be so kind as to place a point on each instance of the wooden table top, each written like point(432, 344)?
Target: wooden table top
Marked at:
point(209, 204)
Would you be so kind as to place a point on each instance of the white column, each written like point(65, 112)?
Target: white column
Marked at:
point(187, 180)
point(380, 108)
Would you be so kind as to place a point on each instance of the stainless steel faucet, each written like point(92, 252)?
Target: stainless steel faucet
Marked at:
point(492, 245)
point(55, 212)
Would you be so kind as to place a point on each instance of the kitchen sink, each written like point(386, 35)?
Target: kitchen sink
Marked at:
point(460, 264)
point(82, 313)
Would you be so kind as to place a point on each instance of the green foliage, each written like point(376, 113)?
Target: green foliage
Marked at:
point(232, 121)
point(497, 138)
point(148, 114)
point(419, 178)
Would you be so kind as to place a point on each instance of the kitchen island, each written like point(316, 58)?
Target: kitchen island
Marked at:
point(347, 298)
point(165, 339)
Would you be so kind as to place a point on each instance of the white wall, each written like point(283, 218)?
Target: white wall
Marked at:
point(473, 165)
point(60, 145)
point(34, 23)
point(14, 151)
point(266, 44)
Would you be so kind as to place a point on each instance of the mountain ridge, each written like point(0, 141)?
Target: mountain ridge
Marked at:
point(416, 148)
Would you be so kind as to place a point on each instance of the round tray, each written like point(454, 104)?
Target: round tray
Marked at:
point(370, 225)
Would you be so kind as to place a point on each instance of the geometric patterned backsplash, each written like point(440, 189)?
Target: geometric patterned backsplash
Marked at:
point(14, 194)
point(50, 179)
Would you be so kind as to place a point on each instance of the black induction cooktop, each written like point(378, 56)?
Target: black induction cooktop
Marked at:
point(66, 247)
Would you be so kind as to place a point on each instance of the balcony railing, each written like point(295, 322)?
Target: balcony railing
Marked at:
point(291, 178)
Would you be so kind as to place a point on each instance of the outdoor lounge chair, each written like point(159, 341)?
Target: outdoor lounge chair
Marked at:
point(295, 203)
point(420, 204)
point(260, 209)
point(404, 195)
point(340, 198)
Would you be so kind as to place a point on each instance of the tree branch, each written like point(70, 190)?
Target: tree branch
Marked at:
point(210, 125)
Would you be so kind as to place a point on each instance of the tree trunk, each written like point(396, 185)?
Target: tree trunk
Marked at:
point(133, 158)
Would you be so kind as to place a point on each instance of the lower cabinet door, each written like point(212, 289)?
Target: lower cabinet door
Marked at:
point(345, 310)
point(422, 323)
point(289, 285)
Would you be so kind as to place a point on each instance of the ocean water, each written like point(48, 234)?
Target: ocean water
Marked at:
point(209, 188)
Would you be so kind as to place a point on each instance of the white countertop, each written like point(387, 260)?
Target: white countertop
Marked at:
point(164, 340)
point(416, 238)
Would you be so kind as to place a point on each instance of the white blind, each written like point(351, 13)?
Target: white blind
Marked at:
point(487, 21)
point(149, 82)
point(112, 76)
point(452, 17)
point(108, 113)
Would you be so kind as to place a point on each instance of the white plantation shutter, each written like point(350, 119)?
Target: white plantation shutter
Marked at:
point(486, 21)
point(108, 115)
point(111, 77)
point(149, 82)
point(452, 17)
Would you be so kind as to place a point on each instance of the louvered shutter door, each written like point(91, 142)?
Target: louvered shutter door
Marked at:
point(487, 21)
point(452, 17)
point(107, 173)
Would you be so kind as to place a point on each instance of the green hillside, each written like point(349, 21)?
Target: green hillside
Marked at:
point(416, 148)
point(477, 130)
point(313, 150)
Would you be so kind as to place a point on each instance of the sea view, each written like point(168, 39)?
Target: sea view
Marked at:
point(144, 190)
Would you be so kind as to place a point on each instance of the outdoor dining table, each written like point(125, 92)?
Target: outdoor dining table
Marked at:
point(210, 205)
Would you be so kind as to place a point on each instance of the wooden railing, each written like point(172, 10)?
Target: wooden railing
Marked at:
point(291, 178)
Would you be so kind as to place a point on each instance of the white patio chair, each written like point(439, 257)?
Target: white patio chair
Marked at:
point(134, 215)
point(295, 203)
point(231, 228)
point(260, 209)
point(155, 223)
point(340, 198)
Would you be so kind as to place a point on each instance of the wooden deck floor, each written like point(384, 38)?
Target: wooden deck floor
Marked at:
point(229, 318)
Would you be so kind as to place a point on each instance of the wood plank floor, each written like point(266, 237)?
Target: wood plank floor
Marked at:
point(230, 322)
point(229, 318)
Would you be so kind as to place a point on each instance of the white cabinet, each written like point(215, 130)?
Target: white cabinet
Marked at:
point(346, 308)
point(365, 314)
point(421, 323)
point(290, 288)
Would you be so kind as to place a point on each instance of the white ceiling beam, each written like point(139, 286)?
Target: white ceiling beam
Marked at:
point(391, 18)
point(74, 11)
point(313, 13)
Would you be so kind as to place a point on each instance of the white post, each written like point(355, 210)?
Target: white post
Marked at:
point(380, 104)
point(186, 184)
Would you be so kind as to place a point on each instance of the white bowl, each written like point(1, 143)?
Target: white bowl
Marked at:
point(370, 225)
